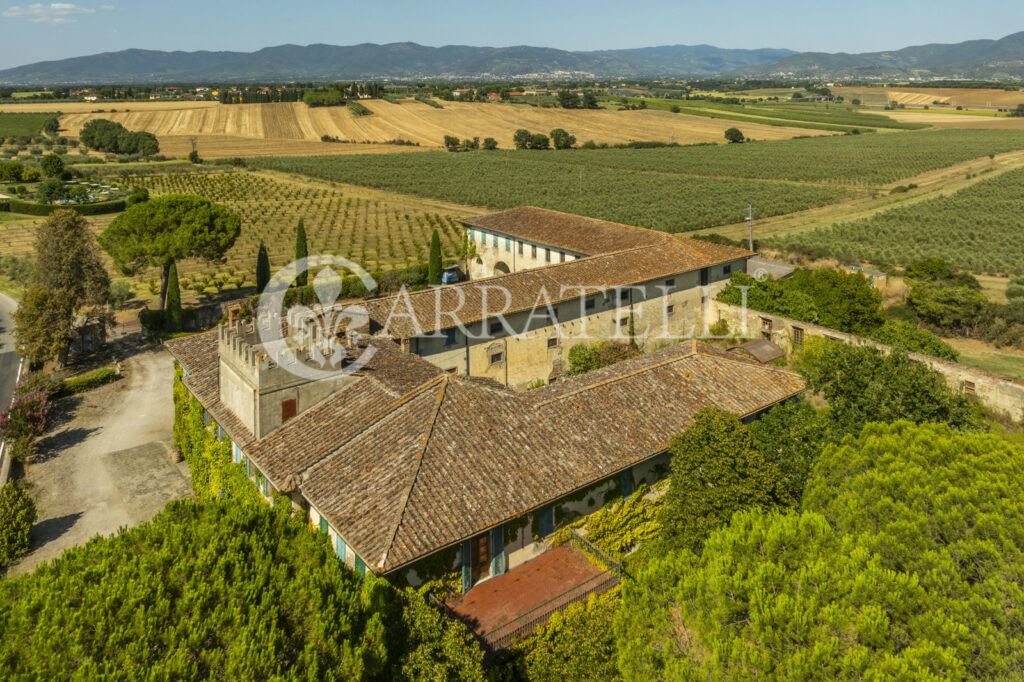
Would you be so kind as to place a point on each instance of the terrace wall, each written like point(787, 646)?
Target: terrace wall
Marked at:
point(999, 394)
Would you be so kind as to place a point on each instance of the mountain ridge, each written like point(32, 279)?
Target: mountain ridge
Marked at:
point(1000, 59)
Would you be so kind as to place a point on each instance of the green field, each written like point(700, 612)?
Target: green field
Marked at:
point(833, 117)
point(846, 159)
point(665, 201)
point(977, 229)
point(15, 125)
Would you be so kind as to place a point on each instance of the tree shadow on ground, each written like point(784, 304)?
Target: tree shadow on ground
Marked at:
point(51, 446)
point(49, 530)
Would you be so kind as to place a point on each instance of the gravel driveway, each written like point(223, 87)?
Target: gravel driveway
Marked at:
point(107, 461)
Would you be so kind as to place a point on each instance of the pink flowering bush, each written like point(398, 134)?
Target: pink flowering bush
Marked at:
point(25, 417)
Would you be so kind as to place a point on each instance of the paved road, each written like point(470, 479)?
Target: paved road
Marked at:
point(8, 359)
point(106, 462)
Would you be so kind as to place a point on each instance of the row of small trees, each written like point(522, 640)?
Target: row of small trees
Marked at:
point(559, 139)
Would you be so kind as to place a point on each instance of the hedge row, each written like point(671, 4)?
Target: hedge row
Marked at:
point(87, 381)
point(32, 208)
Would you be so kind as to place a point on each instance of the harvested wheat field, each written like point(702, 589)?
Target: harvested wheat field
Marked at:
point(106, 105)
point(409, 120)
point(967, 97)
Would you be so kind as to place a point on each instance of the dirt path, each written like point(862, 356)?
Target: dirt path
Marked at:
point(106, 463)
point(935, 183)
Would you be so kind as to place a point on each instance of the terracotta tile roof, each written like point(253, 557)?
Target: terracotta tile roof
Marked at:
point(565, 231)
point(416, 312)
point(456, 457)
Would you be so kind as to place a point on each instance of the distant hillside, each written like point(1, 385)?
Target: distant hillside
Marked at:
point(977, 59)
point(981, 59)
point(395, 60)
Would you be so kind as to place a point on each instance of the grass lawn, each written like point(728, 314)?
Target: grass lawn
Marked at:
point(984, 356)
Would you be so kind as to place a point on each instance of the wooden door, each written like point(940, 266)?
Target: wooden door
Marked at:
point(480, 559)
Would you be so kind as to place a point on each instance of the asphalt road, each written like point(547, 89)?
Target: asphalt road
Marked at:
point(8, 359)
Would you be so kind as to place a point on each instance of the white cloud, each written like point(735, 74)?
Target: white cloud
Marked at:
point(54, 13)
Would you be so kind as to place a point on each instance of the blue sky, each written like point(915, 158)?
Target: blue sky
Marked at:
point(32, 32)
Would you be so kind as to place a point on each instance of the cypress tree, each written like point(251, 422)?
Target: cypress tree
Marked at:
point(262, 268)
point(172, 307)
point(301, 251)
point(434, 266)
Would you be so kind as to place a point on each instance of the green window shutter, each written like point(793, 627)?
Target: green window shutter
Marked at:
point(498, 550)
point(360, 567)
point(323, 525)
point(263, 485)
point(467, 569)
point(339, 547)
point(248, 467)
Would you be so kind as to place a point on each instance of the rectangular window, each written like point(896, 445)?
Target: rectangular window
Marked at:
point(496, 358)
point(495, 327)
point(561, 256)
point(494, 240)
point(520, 248)
point(669, 283)
point(726, 269)
point(360, 567)
point(798, 338)
point(508, 244)
point(533, 250)
point(263, 485)
point(590, 303)
point(623, 294)
point(670, 310)
point(969, 387)
point(288, 408)
point(449, 337)
point(545, 522)
point(248, 467)
point(553, 342)
point(704, 276)
point(547, 255)
point(323, 524)
point(766, 324)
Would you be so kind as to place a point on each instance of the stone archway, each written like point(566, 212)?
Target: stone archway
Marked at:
point(501, 268)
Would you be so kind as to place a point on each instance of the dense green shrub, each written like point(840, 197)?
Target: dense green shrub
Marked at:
point(905, 563)
point(576, 644)
point(863, 384)
point(717, 469)
point(17, 514)
point(32, 208)
point(584, 358)
point(88, 381)
point(218, 590)
point(913, 339)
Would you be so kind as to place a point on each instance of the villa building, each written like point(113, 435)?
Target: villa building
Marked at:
point(427, 460)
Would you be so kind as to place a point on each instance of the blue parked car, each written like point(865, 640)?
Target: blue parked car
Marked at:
point(450, 275)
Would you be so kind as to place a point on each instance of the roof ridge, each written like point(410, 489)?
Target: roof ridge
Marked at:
point(619, 377)
point(391, 413)
point(533, 271)
point(742, 361)
point(442, 391)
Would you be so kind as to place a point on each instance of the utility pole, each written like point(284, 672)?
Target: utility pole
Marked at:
point(750, 224)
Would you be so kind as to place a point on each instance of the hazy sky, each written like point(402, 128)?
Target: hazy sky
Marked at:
point(37, 32)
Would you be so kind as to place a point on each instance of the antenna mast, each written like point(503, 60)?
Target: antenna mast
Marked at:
point(750, 224)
